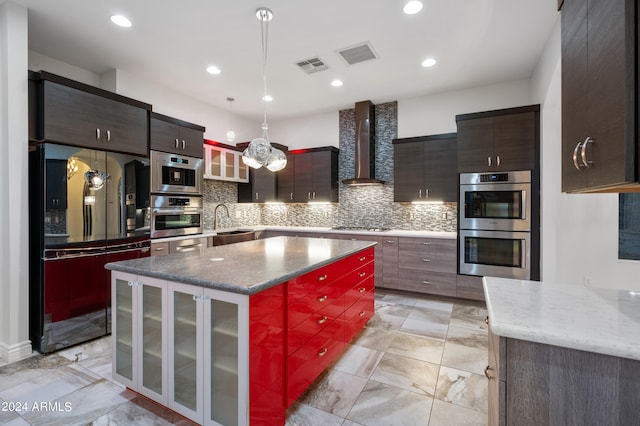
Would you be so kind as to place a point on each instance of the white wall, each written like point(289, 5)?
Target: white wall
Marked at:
point(579, 231)
point(14, 190)
point(40, 62)
point(306, 132)
point(435, 114)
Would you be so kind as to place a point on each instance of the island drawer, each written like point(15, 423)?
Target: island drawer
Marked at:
point(306, 364)
point(330, 301)
point(356, 292)
point(358, 314)
point(307, 329)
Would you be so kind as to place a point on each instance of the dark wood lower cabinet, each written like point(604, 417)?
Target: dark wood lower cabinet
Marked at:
point(537, 384)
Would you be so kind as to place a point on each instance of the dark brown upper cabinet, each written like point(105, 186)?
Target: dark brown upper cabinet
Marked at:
point(600, 151)
point(169, 134)
point(56, 185)
point(500, 140)
point(286, 185)
point(72, 113)
point(425, 168)
point(316, 175)
point(261, 187)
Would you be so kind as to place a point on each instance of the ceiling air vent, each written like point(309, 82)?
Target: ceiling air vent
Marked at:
point(312, 65)
point(356, 54)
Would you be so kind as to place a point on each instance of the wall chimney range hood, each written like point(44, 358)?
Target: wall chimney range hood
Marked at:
point(365, 147)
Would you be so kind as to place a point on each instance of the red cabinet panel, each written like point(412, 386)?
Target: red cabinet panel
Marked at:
point(358, 314)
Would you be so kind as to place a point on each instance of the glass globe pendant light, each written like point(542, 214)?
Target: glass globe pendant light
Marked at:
point(260, 152)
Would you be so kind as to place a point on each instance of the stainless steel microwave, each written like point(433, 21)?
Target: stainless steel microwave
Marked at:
point(175, 174)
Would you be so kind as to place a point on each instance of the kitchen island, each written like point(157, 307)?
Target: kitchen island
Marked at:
point(562, 354)
point(235, 333)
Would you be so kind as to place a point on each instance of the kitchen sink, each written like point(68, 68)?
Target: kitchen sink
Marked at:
point(231, 237)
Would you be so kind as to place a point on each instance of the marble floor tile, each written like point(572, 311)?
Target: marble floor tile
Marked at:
point(373, 338)
point(468, 336)
point(406, 373)
point(465, 358)
point(399, 299)
point(436, 305)
point(436, 330)
point(416, 347)
point(33, 367)
point(429, 314)
point(469, 315)
point(446, 414)
point(462, 388)
point(382, 405)
point(149, 410)
point(385, 321)
point(334, 393)
point(82, 406)
point(359, 361)
point(305, 415)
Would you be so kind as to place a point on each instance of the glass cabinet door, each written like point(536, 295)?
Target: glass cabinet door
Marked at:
point(151, 305)
point(230, 165)
point(185, 338)
point(215, 162)
point(123, 286)
point(226, 358)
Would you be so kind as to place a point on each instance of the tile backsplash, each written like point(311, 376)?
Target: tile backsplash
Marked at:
point(369, 206)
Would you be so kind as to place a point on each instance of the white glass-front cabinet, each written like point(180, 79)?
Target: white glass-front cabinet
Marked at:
point(204, 338)
point(139, 336)
point(224, 164)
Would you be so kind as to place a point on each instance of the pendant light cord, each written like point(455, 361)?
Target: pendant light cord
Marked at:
point(265, 36)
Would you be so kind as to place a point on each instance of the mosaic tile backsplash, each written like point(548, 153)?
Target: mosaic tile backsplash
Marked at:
point(369, 206)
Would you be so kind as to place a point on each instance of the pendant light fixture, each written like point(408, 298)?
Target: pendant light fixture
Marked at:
point(231, 135)
point(94, 178)
point(260, 152)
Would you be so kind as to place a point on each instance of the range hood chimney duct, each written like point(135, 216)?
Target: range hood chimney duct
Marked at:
point(365, 147)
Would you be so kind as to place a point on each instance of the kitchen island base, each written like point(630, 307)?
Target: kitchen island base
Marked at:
point(224, 358)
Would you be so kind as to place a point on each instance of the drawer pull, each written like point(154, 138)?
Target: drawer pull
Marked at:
point(361, 314)
point(426, 260)
point(323, 352)
point(362, 259)
point(390, 242)
point(486, 320)
point(362, 274)
point(159, 248)
point(426, 282)
point(322, 277)
point(321, 299)
point(362, 290)
point(322, 320)
point(486, 372)
point(426, 243)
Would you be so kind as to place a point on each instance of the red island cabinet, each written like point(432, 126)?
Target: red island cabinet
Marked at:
point(197, 350)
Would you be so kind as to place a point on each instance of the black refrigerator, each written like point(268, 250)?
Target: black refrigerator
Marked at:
point(86, 208)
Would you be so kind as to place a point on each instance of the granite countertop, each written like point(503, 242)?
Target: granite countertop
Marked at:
point(389, 233)
point(246, 268)
point(604, 321)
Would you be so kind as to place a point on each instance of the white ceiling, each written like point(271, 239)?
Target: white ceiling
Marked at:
point(476, 42)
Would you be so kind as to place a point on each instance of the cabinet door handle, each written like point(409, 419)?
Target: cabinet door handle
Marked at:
point(321, 299)
point(314, 195)
point(323, 352)
point(130, 283)
point(489, 161)
point(322, 320)
point(575, 156)
point(583, 155)
point(322, 277)
point(420, 193)
point(177, 143)
point(426, 260)
point(426, 243)
point(486, 372)
point(497, 160)
point(390, 242)
point(97, 134)
point(426, 282)
point(108, 135)
point(361, 314)
point(291, 196)
point(486, 320)
point(196, 298)
point(184, 144)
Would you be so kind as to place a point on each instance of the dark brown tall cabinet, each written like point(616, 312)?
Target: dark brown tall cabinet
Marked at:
point(599, 96)
point(425, 168)
point(500, 140)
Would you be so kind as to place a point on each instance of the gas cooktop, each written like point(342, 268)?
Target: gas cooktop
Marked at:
point(360, 228)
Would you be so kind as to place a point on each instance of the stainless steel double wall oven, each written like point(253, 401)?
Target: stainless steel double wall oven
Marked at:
point(495, 223)
point(176, 195)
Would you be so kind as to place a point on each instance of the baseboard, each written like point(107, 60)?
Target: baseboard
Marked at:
point(13, 353)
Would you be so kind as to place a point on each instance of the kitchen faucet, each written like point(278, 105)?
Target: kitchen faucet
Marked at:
point(215, 214)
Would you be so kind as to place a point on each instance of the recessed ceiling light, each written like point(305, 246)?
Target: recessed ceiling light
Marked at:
point(267, 98)
point(412, 7)
point(121, 21)
point(212, 69)
point(429, 62)
point(336, 83)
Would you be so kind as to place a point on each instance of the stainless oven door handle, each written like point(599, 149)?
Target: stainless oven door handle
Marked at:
point(524, 204)
point(177, 211)
point(523, 254)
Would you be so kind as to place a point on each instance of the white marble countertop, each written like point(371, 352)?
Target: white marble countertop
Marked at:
point(604, 321)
